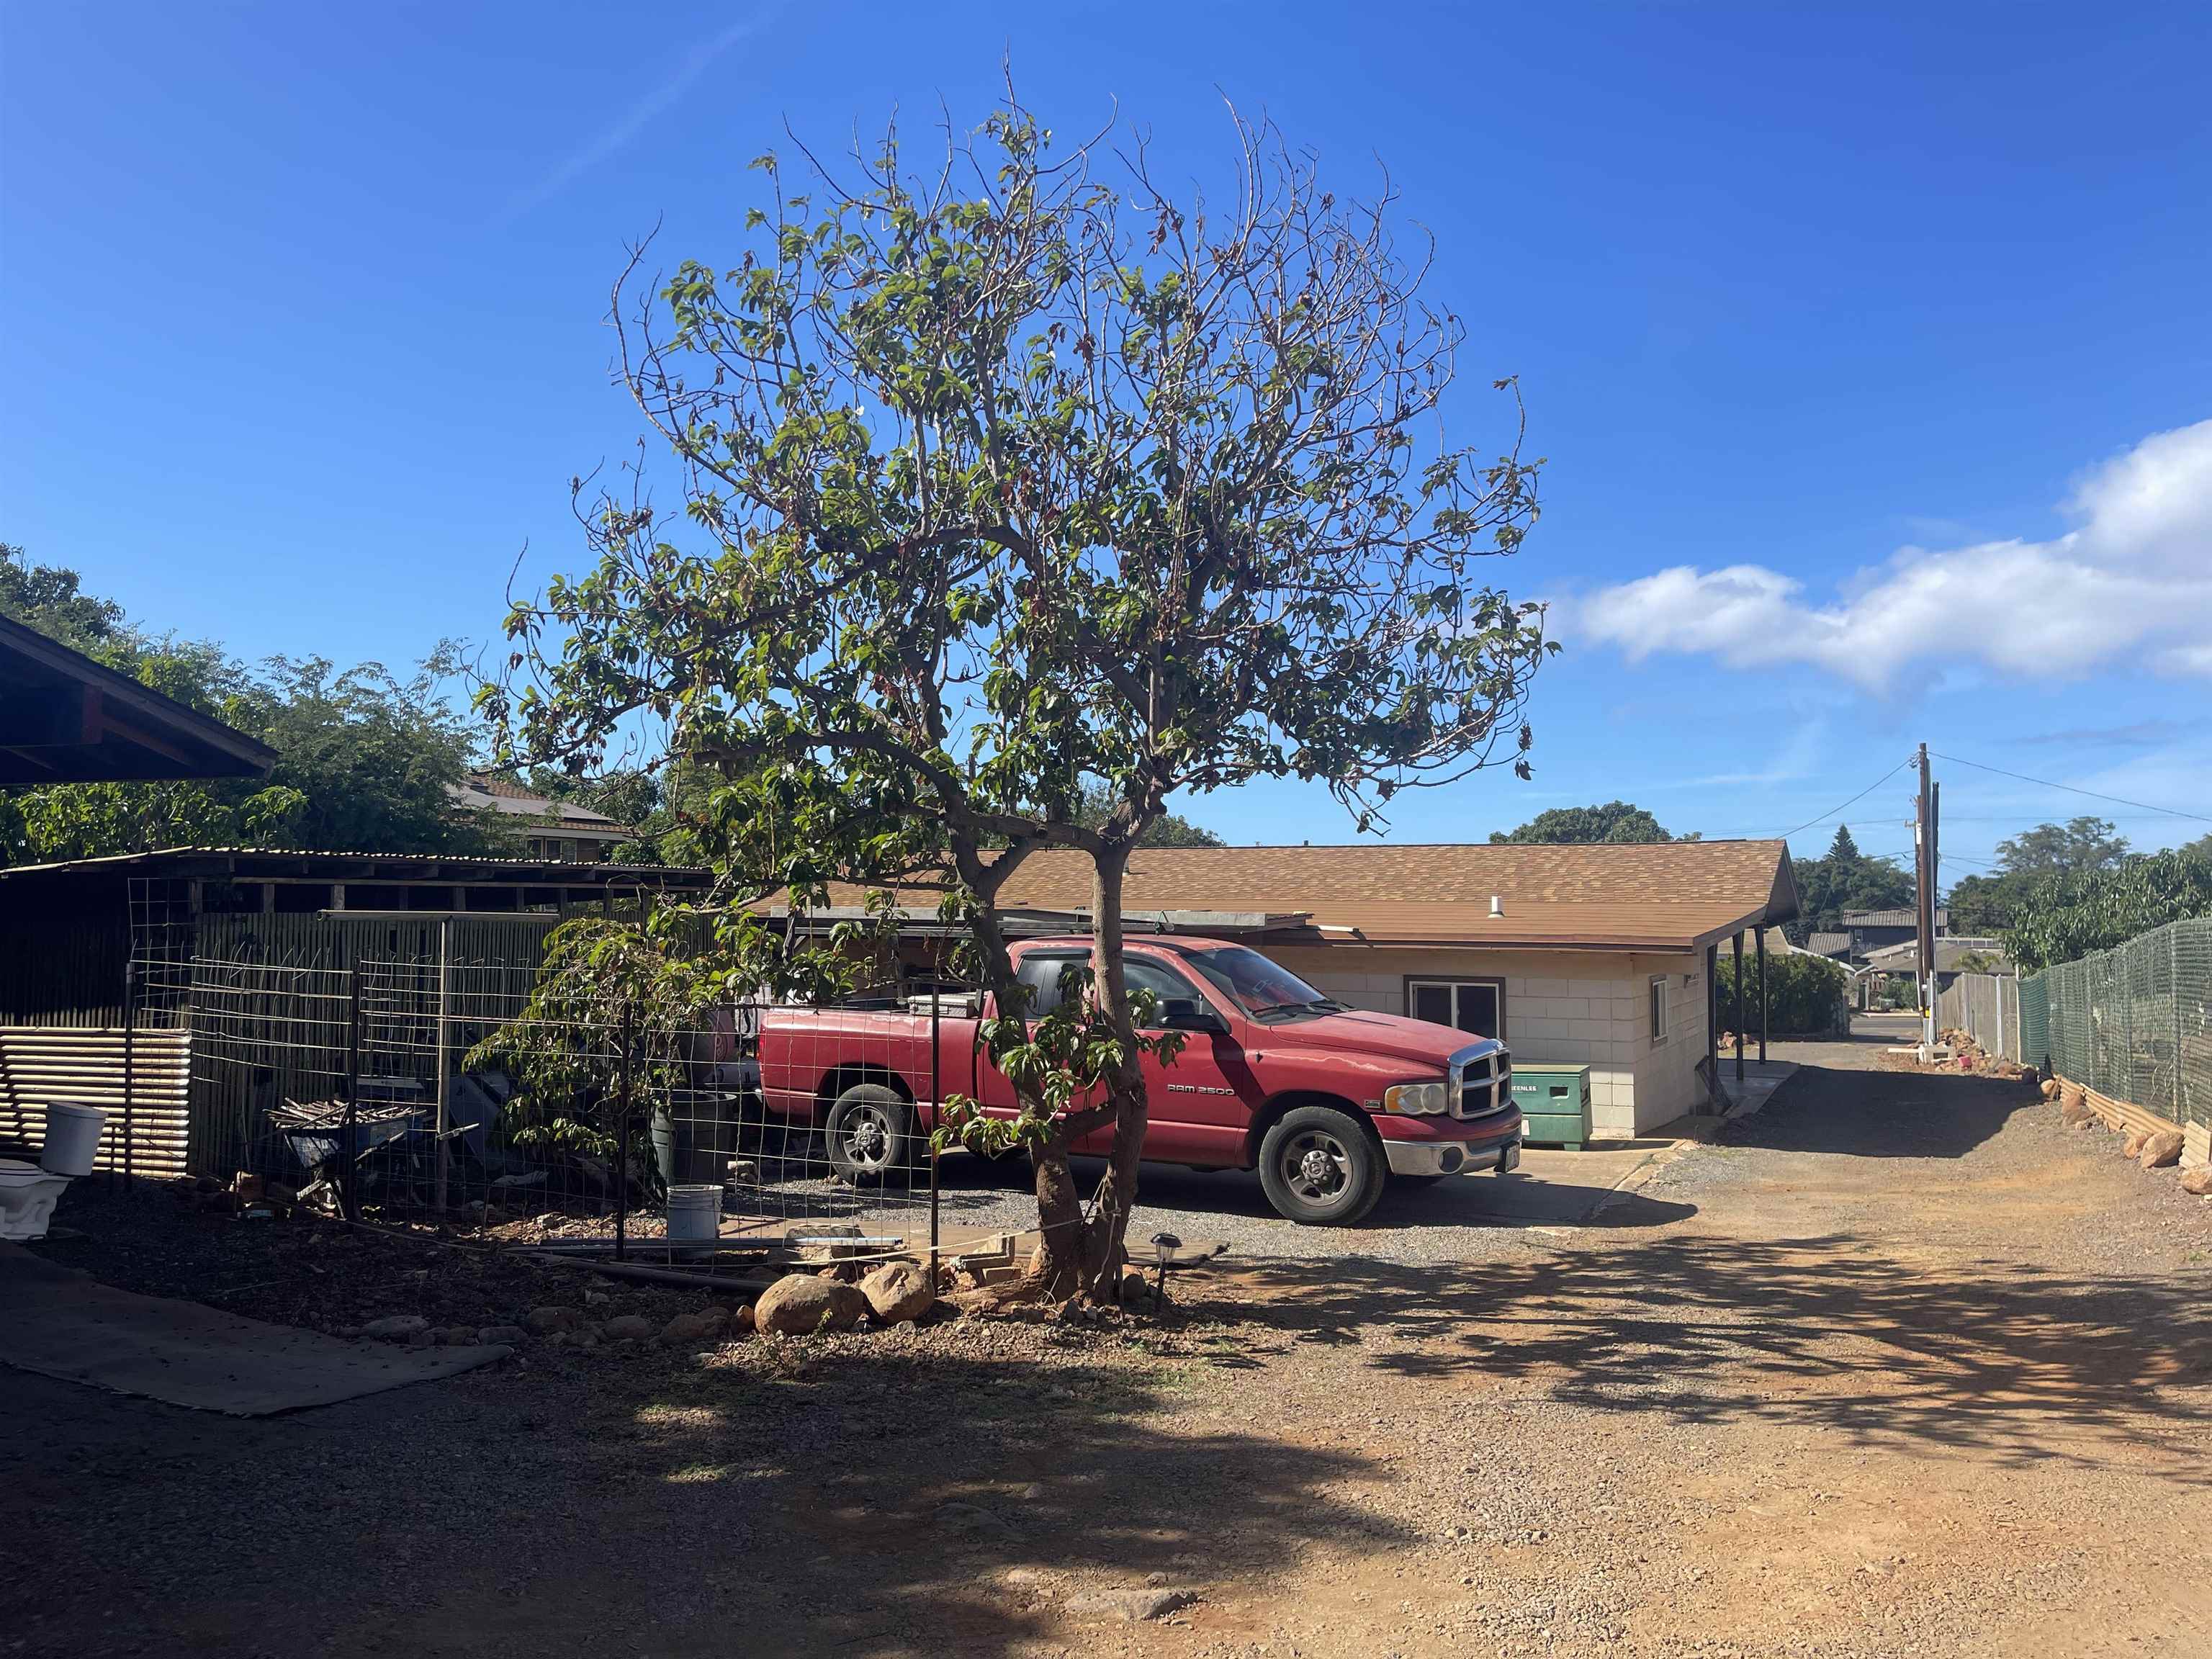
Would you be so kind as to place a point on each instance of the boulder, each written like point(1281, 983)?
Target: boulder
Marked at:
point(627, 1327)
point(1135, 1293)
point(2068, 1093)
point(399, 1327)
point(543, 1321)
point(799, 1305)
point(2159, 1148)
point(741, 1322)
point(2076, 1111)
point(510, 1334)
point(2198, 1181)
point(689, 1329)
point(2133, 1145)
point(898, 1291)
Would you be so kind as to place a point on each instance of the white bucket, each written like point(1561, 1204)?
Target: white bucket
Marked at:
point(695, 1214)
point(72, 1140)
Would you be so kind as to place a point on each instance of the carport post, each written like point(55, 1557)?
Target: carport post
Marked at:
point(1739, 1004)
point(1762, 996)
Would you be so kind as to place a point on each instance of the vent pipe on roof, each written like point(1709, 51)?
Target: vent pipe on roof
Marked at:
point(1497, 905)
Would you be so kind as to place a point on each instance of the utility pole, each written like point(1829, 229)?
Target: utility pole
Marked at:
point(1923, 883)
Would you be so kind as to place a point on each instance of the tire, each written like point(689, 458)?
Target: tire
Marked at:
point(1322, 1168)
point(869, 1133)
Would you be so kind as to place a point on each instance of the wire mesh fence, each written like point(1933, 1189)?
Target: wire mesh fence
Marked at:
point(2134, 1023)
point(420, 1087)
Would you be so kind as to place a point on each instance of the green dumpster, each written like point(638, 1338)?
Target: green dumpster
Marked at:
point(1555, 1101)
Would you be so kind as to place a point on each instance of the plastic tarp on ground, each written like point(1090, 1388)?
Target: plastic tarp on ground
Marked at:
point(65, 1324)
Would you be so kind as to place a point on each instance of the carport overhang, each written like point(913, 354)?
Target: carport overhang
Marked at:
point(66, 718)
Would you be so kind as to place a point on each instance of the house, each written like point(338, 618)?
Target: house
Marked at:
point(1836, 946)
point(1874, 930)
point(560, 831)
point(66, 718)
point(1600, 954)
point(1902, 961)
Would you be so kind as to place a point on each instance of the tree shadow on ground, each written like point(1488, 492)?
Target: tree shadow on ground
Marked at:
point(1829, 1332)
point(866, 1495)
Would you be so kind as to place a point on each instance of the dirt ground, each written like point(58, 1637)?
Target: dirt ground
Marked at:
point(1899, 1366)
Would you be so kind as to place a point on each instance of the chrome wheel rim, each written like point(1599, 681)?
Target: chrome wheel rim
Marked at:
point(868, 1137)
point(1316, 1165)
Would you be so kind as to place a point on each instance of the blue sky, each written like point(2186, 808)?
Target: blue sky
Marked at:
point(300, 310)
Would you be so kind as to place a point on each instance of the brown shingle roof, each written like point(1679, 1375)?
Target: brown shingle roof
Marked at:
point(1662, 896)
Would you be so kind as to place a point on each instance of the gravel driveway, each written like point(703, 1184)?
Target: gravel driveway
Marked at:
point(1899, 1366)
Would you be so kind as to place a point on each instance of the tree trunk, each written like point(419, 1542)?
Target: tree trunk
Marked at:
point(1105, 1248)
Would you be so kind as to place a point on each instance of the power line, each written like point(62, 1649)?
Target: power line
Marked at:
point(2117, 800)
point(1854, 800)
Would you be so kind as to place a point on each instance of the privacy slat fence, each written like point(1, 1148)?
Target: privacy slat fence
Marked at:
point(1987, 1007)
point(42, 1065)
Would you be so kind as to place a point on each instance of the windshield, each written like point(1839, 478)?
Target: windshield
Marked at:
point(1263, 990)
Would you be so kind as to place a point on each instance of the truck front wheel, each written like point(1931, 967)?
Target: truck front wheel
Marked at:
point(870, 1132)
point(1320, 1167)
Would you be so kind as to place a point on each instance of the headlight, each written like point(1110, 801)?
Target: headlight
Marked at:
point(1416, 1099)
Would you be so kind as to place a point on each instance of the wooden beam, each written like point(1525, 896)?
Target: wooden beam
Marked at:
point(1762, 996)
point(1738, 1021)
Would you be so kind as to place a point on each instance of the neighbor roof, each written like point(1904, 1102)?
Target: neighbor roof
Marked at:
point(488, 794)
point(1891, 919)
point(1667, 896)
point(1828, 944)
point(1905, 958)
point(66, 718)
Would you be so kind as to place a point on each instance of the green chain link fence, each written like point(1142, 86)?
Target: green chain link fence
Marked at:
point(2134, 1023)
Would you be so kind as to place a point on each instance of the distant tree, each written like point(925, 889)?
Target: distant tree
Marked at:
point(1843, 879)
point(364, 760)
point(2067, 916)
point(1991, 903)
point(1615, 821)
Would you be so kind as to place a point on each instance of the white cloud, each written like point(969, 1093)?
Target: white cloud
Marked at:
point(2132, 581)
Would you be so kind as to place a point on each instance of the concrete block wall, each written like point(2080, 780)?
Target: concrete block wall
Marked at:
point(1567, 1007)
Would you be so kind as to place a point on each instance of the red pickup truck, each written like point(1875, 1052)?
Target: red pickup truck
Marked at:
point(1328, 1103)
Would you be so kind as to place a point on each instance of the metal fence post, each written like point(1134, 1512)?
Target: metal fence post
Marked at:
point(351, 1144)
point(936, 1116)
point(444, 1083)
point(622, 1135)
point(129, 1045)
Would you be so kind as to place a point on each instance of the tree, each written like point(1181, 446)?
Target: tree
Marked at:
point(1989, 904)
point(365, 761)
point(1013, 480)
point(2067, 916)
point(1169, 830)
point(1615, 821)
point(1841, 880)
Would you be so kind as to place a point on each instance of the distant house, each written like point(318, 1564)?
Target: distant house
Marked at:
point(557, 831)
point(1904, 960)
point(1874, 930)
point(1834, 946)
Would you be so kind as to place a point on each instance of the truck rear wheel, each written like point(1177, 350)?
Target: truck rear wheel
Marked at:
point(869, 1133)
point(1322, 1168)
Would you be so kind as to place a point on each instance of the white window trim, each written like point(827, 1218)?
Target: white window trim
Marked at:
point(1659, 997)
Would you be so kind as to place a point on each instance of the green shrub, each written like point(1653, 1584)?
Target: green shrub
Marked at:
point(1804, 993)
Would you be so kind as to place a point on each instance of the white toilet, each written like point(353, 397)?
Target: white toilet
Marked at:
point(27, 1191)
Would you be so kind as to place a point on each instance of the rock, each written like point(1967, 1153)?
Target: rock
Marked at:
point(543, 1321)
point(627, 1327)
point(2068, 1093)
point(1133, 1605)
point(2076, 1111)
point(2160, 1149)
point(1135, 1293)
point(692, 1328)
point(510, 1334)
point(2198, 1181)
point(399, 1327)
point(799, 1305)
point(2133, 1145)
point(422, 1338)
point(597, 1298)
point(2050, 1087)
point(898, 1291)
point(967, 1517)
point(741, 1322)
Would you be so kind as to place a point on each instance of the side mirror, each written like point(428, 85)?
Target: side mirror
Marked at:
point(1189, 1014)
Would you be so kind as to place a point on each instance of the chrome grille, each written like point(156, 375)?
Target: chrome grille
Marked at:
point(1481, 1081)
